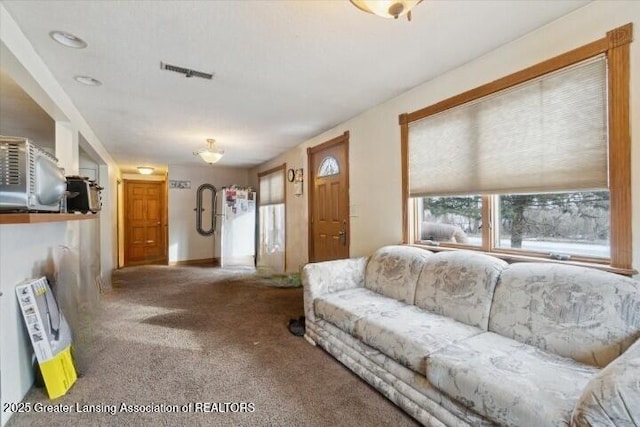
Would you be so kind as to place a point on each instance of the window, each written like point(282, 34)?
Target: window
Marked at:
point(271, 199)
point(523, 165)
point(450, 219)
point(328, 167)
point(558, 224)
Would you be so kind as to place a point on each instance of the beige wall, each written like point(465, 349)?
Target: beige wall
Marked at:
point(184, 241)
point(374, 151)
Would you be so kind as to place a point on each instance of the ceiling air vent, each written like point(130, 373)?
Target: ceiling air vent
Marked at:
point(186, 71)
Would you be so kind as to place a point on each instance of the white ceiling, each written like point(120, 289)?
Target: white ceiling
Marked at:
point(284, 70)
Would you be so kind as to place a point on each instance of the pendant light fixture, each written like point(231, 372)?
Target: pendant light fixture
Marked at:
point(387, 8)
point(210, 154)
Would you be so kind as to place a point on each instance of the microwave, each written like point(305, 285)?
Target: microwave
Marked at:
point(30, 179)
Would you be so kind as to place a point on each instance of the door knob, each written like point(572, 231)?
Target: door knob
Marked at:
point(342, 234)
point(343, 237)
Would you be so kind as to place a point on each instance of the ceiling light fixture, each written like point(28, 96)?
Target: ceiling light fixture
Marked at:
point(145, 170)
point(68, 39)
point(210, 154)
point(86, 80)
point(387, 8)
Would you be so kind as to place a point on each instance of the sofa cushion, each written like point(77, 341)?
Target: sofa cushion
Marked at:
point(459, 285)
point(344, 308)
point(409, 334)
point(612, 398)
point(509, 382)
point(588, 315)
point(393, 271)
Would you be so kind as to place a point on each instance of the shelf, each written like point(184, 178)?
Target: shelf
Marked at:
point(31, 218)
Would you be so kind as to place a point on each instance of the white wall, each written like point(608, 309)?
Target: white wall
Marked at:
point(184, 241)
point(26, 251)
point(375, 165)
point(29, 251)
point(87, 167)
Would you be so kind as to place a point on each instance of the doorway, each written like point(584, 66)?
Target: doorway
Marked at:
point(329, 200)
point(145, 219)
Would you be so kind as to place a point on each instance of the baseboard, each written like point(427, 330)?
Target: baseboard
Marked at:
point(203, 261)
point(162, 261)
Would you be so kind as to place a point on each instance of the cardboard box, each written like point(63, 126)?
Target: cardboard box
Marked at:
point(50, 335)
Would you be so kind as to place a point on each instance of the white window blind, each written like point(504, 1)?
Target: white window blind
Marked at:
point(547, 134)
point(272, 188)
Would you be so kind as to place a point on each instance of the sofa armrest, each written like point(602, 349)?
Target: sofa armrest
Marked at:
point(330, 276)
point(612, 398)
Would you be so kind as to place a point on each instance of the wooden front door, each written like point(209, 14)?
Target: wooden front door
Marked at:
point(329, 200)
point(145, 237)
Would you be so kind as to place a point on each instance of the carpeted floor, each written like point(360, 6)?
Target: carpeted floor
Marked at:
point(185, 335)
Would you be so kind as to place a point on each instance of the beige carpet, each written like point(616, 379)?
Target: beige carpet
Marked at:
point(181, 335)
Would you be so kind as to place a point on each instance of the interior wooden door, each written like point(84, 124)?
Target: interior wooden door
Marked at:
point(145, 237)
point(329, 200)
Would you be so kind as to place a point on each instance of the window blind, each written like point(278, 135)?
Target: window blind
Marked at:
point(272, 188)
point(546, 134)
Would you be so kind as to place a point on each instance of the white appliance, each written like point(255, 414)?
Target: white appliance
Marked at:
point(235, 239)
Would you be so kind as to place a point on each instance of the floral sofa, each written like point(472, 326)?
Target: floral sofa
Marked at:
point(461, 338)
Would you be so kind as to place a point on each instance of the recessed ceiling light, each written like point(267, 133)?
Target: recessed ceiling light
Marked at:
point(86, 80)
point(68, 39)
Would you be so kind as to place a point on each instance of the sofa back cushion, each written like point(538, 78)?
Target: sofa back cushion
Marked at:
point(393, 271)
point(460, 285)
point(588, 315)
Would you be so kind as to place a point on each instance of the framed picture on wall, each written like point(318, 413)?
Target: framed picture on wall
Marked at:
point(180, 185)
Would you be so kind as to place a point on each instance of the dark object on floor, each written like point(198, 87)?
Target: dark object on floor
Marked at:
point(296, 326)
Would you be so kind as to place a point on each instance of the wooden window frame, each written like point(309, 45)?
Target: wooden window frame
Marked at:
point(615, 45)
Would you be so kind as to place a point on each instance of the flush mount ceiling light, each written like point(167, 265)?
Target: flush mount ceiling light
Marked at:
point(145, 170)
point(210, 154)
point(86, 80)
point(68, 39)
point(387, 8)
